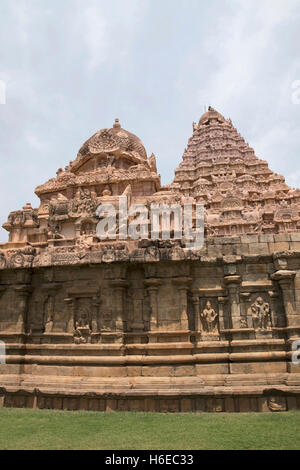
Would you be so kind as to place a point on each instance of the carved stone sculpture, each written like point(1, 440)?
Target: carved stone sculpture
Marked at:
point(209, 318)
point(261, 314)
point(82, 328)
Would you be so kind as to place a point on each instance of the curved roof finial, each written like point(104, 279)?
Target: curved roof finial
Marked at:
point(117, 123)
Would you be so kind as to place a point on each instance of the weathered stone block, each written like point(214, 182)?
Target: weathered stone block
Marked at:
point(294, 246)
point(282, 237)
point(57, 403)
point(134, 371)
point(295, 237)
point(278, 246)
point(210, 404)
point(292, 403)
point(266, 238)
point(211, 369)
point(249, 239)
point(184, 371)
point(150, 404)
point(244, 404)
point(200, 404)
point(258, 248)
point(229, 405)
point(136, 405)
point(242, 249)
point(258, 368)
point(158, 371)
point(253, 404)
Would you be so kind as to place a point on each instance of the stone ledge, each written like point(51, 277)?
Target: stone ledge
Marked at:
point(271, 399)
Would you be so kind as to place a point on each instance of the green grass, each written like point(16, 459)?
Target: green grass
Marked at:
point(49, 429)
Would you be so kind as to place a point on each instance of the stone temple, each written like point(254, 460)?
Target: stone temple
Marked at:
point(150, 324)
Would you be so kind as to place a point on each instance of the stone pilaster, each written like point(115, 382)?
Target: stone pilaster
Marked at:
point(277, 316)
point(245, 322)
point(233, 283)
point(71, 305)
point(23, 293)
point(95, 308)
point(196, 309)
point(119, 287)
point(50, 291)
point(182, 284)
point(221, 303)
point(152, 286)
point(285, 279)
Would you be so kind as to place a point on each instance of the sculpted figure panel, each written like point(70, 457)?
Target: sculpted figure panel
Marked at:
point(209, 320)
point(261, 314)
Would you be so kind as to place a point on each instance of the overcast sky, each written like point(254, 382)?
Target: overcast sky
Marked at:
point(72, 66)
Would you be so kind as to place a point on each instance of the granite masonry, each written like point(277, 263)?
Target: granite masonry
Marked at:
point(150, 324)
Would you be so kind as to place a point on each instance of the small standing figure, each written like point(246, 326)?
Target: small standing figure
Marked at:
point(261, 314)
point(82, 329)
point(209, 319)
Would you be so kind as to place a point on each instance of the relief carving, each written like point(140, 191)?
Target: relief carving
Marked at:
point(261, 314)
point(82, 333)
point(209, 320)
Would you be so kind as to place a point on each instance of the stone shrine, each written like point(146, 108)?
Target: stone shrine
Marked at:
point(150, 324)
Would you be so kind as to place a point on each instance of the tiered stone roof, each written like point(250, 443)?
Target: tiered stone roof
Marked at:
point(240, 193)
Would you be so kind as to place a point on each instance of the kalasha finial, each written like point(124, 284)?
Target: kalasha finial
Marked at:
point(117, 123)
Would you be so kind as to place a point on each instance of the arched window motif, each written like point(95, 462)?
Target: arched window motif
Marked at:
point(87, 228)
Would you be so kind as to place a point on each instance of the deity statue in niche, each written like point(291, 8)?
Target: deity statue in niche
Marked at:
point(82, 324)
point(261, 314)
point(209, 319)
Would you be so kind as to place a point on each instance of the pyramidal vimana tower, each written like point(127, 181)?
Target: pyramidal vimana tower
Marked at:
point(151, 324)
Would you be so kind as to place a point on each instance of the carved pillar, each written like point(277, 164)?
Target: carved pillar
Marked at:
point(23, 292)
point(120, 286)
point(152, 286)
point(182, 284)
point(233, 283)
point(286, 281)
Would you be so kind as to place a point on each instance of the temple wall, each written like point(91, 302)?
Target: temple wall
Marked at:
point(74, 329)
point(157, 295)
